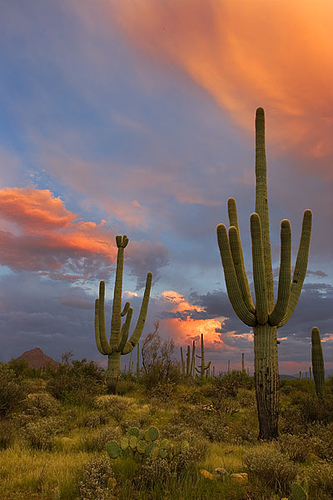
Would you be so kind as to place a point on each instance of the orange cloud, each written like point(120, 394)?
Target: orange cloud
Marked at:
point(186, 328)
point(276, 54)
point(39, 233)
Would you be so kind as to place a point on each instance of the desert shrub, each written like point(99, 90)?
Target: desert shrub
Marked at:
point(20, 367)
point(320, 480)
point(155, 470)
point(97, 480)
point(7, 433)
point(126, 386)
point(78, 383)
point(297, 448)
point(289, 386)
point(41, 405)
point(270, 468)
point(159, 367)
point(227, 384)
point(34, 385)
point(198, 445)
point(116, 406)
point(96, 441)
point(320, 438)
point(245, 430)
point(310, 408)
point(211, 424)
point(39, 433)
point(246, 398)
point(95, 419)
point(12, 391)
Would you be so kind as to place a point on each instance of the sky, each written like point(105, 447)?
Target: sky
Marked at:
point(137, 117)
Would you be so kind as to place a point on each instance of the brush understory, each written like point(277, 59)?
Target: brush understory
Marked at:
point(53, 441)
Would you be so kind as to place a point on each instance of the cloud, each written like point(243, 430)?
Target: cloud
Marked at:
point(42, 235)
point(274, 54)
point(146, 256)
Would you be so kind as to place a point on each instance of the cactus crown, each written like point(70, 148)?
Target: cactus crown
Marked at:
point(265, 309)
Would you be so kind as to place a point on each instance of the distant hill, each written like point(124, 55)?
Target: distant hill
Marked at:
point(37, 359)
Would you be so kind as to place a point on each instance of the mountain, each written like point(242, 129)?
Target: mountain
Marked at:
point(37, 359)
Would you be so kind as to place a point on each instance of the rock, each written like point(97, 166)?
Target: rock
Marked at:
point(221, 472)
point(206, 474)
point(240, 478)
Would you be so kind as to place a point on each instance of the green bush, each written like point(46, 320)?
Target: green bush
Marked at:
point(39, 433)
point(270, 468)
point(78, 383)
point(97, 480)
point(7, 433)
point(297, 448)
point(116, 406)
point(96, 441)
point(41, 405)
point(320, 480)
point(12, 391)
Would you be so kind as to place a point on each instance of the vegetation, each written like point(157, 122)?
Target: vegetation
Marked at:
point(54, 444)
point(266, 315)
point(118, 344)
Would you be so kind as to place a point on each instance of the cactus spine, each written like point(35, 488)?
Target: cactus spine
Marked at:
point(266, 315)
point(203, 369)
point(317, 362)
point(119, 343)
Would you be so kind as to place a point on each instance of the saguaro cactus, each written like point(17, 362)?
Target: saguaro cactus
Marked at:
point(266, 315)
point(188, 365)
point(119, 343)
point(203, 369)
point(317, 362)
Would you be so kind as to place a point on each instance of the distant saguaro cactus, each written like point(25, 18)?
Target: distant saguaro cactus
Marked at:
point(266, 315)
point(119, 343)
point(203, 369)
point(317, 362)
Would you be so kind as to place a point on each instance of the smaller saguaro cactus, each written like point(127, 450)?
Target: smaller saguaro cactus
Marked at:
point(317, 362)
point(119, 343)
point(203, 369)
point(188, 364)
point(243, 363)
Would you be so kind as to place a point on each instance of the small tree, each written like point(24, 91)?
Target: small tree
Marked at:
point(157, 359)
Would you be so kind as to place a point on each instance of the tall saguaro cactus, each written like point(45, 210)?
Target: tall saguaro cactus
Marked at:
point(266, 315)
point(317, 362)
point(119, 343)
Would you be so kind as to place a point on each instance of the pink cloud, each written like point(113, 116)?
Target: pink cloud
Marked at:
point(274, 54)
point(42, 235)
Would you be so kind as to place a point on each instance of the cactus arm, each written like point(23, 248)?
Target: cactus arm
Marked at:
point(284, 275)
point(259, 269)
point(117, 294)
point(103, 341)
point(262, 202)
point(135, 337)
point(125, 310)
point(300, 267)
point(234, 292)
point(237, 257)
point(125, 330)
point(97, 335)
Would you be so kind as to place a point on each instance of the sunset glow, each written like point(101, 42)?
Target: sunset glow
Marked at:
point(136, 117)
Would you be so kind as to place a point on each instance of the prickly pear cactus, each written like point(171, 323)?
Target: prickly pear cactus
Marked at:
point(145, 444)
point(298, 491)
